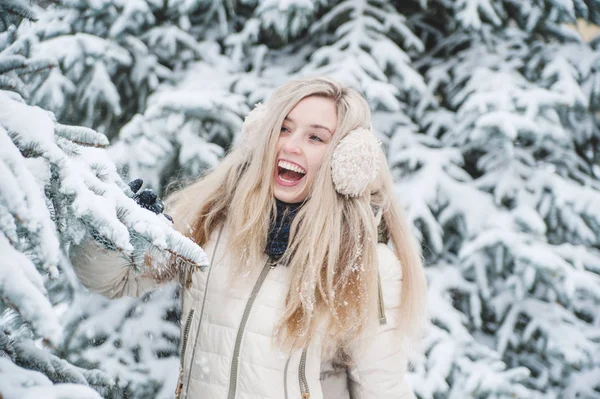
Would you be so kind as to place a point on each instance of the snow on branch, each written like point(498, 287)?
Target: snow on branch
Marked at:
point(190, 126)
point(551, 16)
point(22, 288)
point(470, 13)
point(13, 11)
point(364, 56)
point(564, 337)
point(453, 354)
point(169, 42)
point(286, 20)
point(123, 338)
point(81, 135)
point(20, 383)
point(53, 198)
point(27, 371)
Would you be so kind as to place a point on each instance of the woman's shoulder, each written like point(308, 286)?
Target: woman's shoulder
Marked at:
point(390, 268)
point(217, 239)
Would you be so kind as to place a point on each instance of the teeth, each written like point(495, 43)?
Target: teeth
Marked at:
point(290, 166)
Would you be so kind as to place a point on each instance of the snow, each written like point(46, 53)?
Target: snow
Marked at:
point(61, 175)
point(54, 92)
point(28, 384)
point(124, 336)
point(23, 287)
point(62, 47)
point(489, 117)
point(81, 182)
point(21, 195)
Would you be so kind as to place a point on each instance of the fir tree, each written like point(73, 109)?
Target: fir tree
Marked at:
point(515, 112)
point(112, 55)
point(135, 341)
point(58, 188)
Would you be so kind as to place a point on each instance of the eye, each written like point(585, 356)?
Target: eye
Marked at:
point(314, 137)
point(284, 129)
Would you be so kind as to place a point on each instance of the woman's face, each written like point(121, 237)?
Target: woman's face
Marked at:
point(305, 136)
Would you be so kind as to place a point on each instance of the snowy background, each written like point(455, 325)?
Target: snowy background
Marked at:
point(488, 110)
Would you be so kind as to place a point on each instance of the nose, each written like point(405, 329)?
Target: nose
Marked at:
point(291, 145)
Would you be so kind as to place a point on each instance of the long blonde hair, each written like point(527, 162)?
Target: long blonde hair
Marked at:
point(332, 250)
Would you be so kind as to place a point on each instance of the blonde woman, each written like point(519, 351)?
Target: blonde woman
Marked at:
point(303, 298)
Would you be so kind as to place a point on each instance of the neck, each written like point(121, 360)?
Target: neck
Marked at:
point(279, 229)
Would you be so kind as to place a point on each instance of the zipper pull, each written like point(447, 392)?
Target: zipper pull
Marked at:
point(380, 304)
point(306, 395)
point(179, 385)
point(273, 263)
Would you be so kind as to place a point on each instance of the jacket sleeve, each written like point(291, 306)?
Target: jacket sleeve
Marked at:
point(380, 359)
point(109, 273)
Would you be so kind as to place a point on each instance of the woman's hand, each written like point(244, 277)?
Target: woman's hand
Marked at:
point(147, 198)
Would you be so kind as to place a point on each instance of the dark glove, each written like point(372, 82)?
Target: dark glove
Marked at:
point(147, 198)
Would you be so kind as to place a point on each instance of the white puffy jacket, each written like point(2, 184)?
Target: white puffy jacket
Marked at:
point(230, 327)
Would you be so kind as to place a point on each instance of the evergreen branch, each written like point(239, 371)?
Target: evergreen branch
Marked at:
point(182, 258)
point(12, 62)
point(20, 45)
point(37, 65)
point(68, 147)
point(18, 8)
point(81, 135)
point(57, 369)
point(187, 256)
point(14, 84)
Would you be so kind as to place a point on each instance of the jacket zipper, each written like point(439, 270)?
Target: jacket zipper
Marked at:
point(186, 331)
point(285, 371)
point(302, 376)
point(238, 341)
point(212, 262)
point(382, 318)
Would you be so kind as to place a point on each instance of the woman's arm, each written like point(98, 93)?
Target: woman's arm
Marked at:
point(380, 358)
point(109, 273)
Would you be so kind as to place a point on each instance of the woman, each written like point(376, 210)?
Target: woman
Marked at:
point(300, 299)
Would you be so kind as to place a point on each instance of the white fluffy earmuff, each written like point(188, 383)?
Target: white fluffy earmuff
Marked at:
point(355, 162)
point(252, 123)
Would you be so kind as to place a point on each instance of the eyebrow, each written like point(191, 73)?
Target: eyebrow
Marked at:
point(315, 126)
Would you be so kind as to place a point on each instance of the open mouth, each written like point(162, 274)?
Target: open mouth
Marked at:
point(289, 172)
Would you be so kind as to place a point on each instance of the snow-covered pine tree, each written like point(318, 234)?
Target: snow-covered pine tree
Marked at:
point(112, 55)
point(136, 341)
point(152, 140)
point(511, 232)
point(58, 188)
point(184, 131)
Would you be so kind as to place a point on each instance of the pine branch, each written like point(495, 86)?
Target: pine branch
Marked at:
point(37, 65)
point(12, 62)
point(19, 9)
point(81, 135)
point(14, 84)
point(58, 370)
point(20, 46)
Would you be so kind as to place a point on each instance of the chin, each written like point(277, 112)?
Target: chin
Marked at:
point(290, 198)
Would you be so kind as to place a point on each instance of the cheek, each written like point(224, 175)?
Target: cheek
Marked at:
point(278, 145)
point(316, 160)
